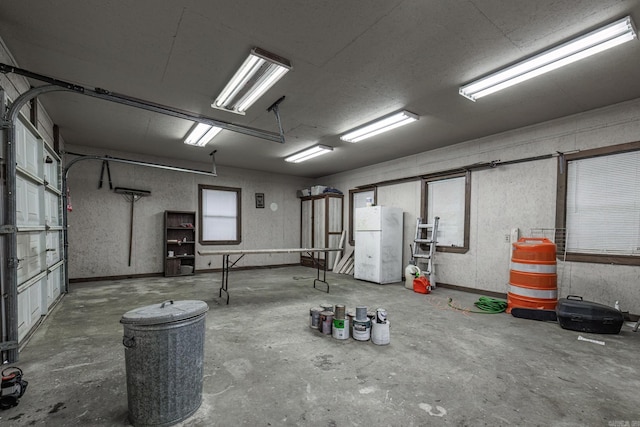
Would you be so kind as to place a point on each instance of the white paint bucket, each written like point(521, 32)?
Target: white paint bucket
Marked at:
point(409, 274)
point(350, 316)
point(380, 333)
point(341, 329)
point(327, 307)
point(361, 330)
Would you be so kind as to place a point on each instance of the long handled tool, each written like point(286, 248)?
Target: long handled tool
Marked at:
point(133, 196)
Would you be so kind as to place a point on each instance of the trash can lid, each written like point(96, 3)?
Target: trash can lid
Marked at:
point(166, 312)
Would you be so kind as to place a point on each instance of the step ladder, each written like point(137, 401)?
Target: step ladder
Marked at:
point(424, 247)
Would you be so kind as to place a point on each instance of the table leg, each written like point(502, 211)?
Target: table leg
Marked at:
point(324, 271)
point(224, 286)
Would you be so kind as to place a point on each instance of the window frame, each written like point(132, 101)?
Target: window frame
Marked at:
point(352, 212)
point(238, 191)
point(561, 205)
point(467, 207)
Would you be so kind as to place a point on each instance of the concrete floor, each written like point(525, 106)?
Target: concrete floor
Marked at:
point(264, 366)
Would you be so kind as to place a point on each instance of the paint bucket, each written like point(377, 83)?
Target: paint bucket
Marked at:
point(361, 329)
point(361, 313)
point(326, 307)
point(340, 329)
point(381, 315)
point(371, 315)
point(339, 311)
point(314, 317)
point(350, 316)
point(380, 333)
point(326, 319)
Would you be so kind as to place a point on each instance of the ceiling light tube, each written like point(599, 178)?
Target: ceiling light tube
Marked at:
point(381, 125)
point(259, 72)
point(589, 44)
point(248, 68)
point(309, 153)
point(201, 134)
point(271, 77)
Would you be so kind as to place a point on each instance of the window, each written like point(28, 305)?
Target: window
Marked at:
point(219, 215)
point(358, 199)
point(448, 197)
point(599, 204)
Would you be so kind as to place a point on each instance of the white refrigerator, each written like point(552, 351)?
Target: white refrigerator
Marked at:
point(378, 250)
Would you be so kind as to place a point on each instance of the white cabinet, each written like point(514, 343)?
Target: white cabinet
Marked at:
point(321, 226)
point(378, 251)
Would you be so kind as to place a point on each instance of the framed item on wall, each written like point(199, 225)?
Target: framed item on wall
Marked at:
point(260, 200)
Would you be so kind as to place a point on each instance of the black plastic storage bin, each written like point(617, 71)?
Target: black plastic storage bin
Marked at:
point(585, 316)
point(164, 354)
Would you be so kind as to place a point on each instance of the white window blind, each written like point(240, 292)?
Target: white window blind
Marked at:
point(603, 204)
point(446, 199)
point(219, 215)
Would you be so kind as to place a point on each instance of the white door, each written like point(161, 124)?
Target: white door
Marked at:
point(368, 219)
point(367, 256)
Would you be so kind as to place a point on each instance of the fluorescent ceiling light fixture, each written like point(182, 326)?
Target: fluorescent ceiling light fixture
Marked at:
point(582, 47)
point(383, 124)
point(258, 73)
point(309, 153)
point(201, 134)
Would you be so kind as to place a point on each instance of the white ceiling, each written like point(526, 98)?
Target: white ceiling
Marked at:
point(352, 62)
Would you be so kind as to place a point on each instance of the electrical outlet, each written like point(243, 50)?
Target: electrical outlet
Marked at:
point(507, 238)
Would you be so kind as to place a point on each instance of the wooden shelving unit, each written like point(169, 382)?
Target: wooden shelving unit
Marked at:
point(321, 226)
point(179, 243)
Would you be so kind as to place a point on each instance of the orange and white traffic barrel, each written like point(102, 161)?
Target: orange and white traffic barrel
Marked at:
point(533, 282)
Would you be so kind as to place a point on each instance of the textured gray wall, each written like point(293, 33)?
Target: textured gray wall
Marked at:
point(515, 196)
point(99, 221)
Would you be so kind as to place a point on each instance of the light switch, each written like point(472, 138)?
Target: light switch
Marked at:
point(515, 235)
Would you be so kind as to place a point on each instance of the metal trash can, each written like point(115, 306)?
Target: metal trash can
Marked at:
point(164, 352)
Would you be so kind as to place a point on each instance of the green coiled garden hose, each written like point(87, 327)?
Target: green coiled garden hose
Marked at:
point(485, 304)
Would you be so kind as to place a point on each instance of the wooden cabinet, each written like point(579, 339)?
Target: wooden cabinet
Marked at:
point(179, 243)
point(322, 225)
